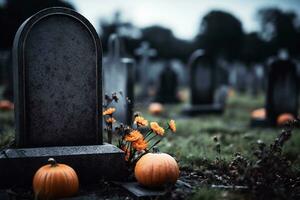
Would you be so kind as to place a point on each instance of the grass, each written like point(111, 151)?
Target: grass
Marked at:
point(193, 144)
point(193, 141)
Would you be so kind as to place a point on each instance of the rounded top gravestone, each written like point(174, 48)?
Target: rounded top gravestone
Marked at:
point(202, 78)
point(282, 90)
point(57, 60)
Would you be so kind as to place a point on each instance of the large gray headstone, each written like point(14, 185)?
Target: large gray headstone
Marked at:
point(119, 78)
point(58, 88)
point(57, 69)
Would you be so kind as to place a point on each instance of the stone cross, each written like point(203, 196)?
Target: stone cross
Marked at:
point(119, 78)
point(58, 100)
point(145, 52)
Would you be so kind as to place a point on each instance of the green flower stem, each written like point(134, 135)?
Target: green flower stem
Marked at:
point(158, 141)
point(148, 133)
point(151, 138)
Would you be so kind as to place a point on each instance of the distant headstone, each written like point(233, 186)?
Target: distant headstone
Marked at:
point(168, 85)
point(258, 79)
point(202, 85)
point(222, 74)
point(241, 78)
point(8, 93)
point(282, 92)
point(282, 89)
point(6, 74)
point(58, 100)
point(4, 55)
point(145, 52)
point(119, 78)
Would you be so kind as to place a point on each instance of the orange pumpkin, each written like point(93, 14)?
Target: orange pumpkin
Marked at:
point(6, 105)
point(230, 93)
point(259, 113)
point(156, 108)
point(55, 181)
point(156, 169)
point(283, 118)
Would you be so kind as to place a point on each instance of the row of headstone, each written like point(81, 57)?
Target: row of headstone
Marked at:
point(247, 80)
point(161, 80)
point(118, 75)
point(57, 62)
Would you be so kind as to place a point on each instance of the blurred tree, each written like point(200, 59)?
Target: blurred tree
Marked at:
point(221, 34)
point(160, 38)
point(15, 12)
point(279, 29)
point(128, 33)
point(166, 44)
point(254, 49)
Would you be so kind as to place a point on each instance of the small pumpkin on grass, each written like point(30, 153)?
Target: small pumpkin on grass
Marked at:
point(259, 113)
point(6, 105)
point(156, 170)
point(54, 181)
point(156, 108)
point(283, 118)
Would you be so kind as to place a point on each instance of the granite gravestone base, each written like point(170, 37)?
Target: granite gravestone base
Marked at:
point(57, 61)
point(91, 163)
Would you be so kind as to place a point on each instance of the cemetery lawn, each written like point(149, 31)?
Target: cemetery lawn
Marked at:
point(193, 144)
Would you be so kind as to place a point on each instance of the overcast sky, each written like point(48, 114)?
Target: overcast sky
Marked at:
point(182, 16)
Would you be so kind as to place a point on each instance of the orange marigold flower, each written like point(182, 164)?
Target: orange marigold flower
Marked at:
point(111, 120)
point(172, 126)
point(140, 145)
point(109, 111)
point(134, 136)
point(157, 129)
point(140, 121)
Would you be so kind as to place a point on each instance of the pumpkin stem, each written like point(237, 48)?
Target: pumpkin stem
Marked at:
point(155, 149)
point(52, 162)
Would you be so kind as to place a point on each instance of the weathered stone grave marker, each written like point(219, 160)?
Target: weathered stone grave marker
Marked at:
point(58, 100)
point(202, 85)
point(241, 78)
point(145, 52)
point(168, 84)
point(282, 92)
point(119, 78)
